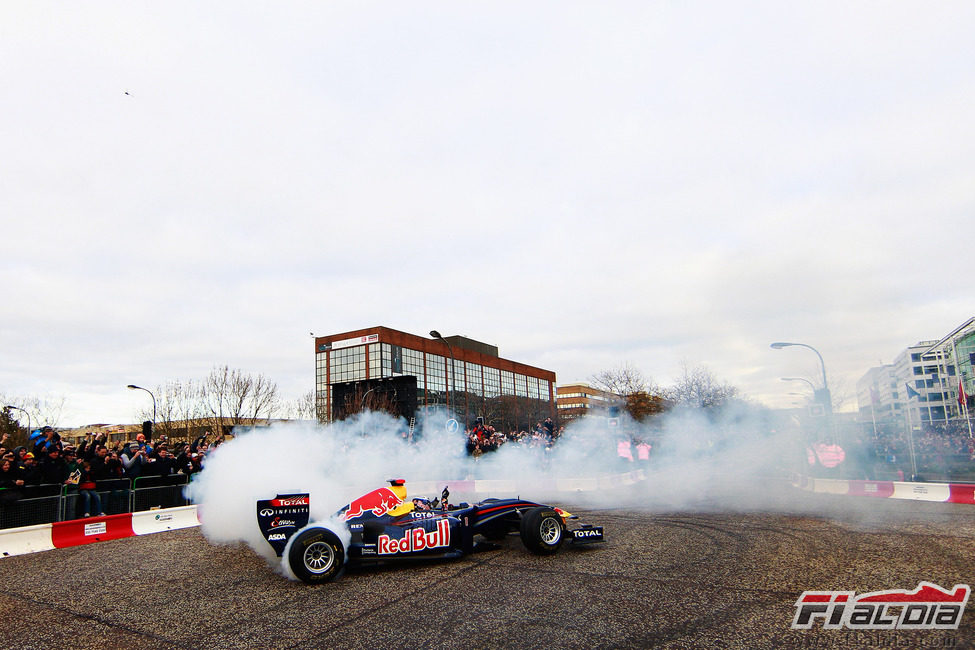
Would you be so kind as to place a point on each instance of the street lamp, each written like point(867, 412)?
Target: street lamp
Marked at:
point(362, 402)
point(17, 408)
point(450, 389)
point(799, 379)
point(825, 398)
point(134, 387)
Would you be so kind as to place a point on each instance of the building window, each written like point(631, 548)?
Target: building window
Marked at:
point(349, 364)
point(492, 382)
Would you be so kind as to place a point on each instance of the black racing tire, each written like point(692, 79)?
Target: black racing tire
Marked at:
point(542, 531)
point(316, 555)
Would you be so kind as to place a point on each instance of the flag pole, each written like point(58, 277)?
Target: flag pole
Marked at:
point(963, 404)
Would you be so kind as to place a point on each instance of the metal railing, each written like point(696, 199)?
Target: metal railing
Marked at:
point(45, 504)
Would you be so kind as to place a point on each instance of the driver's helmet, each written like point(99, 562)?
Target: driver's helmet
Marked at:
point(420, 503)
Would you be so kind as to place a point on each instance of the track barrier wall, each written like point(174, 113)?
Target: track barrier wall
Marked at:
point(938, 492)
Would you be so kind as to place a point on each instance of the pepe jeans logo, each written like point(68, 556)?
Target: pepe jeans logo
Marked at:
point(929, 607)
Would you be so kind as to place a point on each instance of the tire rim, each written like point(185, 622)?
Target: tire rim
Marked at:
point(550, 531)
point(319, 557)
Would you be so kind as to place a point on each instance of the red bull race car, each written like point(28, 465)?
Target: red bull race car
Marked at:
point(384, 525)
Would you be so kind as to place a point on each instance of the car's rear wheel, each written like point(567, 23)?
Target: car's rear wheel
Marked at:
point(542, 531)
point(316, 555)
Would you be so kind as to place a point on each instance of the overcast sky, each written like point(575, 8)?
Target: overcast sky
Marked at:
point(185, 185)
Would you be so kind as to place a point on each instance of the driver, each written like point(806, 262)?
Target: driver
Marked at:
point(422, 504)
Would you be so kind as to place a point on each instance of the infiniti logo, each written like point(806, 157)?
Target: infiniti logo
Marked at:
point(267, 512)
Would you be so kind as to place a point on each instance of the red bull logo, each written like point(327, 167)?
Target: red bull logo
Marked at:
point(415, 539)
point(378, 502)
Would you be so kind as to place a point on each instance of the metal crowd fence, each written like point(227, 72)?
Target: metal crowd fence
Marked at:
point(44, 504)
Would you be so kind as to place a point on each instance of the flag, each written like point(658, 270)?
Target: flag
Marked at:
point(911, 393)
point(962, 397)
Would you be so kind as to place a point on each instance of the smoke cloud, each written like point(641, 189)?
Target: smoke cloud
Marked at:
point(714, 461)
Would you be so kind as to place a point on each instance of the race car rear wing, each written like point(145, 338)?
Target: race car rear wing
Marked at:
point(281, 517)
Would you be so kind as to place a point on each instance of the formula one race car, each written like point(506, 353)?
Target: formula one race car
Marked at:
point(384, 525)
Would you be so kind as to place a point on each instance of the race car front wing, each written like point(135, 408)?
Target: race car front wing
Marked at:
point(586, 534)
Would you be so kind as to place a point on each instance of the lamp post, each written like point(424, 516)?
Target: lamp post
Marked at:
point(134, 387)
point(450, 389)
point(362, 402)
point(17, 408)
point(799, 379)
point(362, 406)
point(824, 396)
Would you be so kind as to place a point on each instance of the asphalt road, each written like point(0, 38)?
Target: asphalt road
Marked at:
point(687, 579)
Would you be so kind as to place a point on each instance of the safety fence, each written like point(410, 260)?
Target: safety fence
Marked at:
point(44, 504)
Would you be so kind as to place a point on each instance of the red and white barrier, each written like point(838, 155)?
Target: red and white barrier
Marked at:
point(939, 492)
point(62, 534)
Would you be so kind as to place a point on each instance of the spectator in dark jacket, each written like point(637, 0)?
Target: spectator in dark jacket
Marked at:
point(163, 463)
point(29, 471)
point(9, 476)
point(104, 464)
point(53, 469)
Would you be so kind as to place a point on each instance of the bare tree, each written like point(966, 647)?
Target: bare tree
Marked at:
point(231, 396)
point(699, 388)
point(640, 396)
point(179, 405)
point(624, 380)
point(302, 408)
point(41, 411)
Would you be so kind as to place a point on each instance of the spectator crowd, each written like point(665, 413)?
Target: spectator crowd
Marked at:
point(47, 460)
point(482, 438)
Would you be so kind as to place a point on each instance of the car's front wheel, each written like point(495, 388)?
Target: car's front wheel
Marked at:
point(542, 531)
point(316, 555)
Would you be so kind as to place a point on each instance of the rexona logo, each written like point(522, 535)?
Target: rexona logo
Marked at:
point(415, 539)
point(929, 607)
point(278, 522)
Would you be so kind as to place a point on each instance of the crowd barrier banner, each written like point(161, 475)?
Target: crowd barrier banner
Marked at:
point(29, 539)
point(871, 488)
point(63, 534)
point(937, 492)
point(962, 493)
point(157, 521)
point(90, 530)
point(922, 491)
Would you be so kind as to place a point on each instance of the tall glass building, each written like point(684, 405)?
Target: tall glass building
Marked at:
point(462, 375)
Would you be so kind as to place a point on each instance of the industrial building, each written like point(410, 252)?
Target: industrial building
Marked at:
point(406, 374)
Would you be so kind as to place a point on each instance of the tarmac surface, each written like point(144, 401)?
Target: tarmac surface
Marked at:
point(670, 579)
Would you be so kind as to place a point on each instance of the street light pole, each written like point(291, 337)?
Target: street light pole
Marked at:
point(17, 408)
point(362, 402)
point(800, 379)
point(827, 400)
point(450, 389)
point(134, 387)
